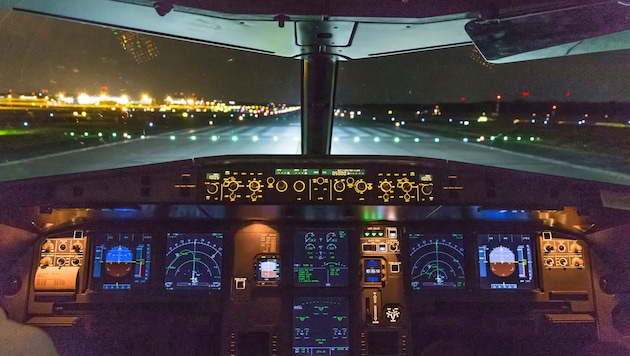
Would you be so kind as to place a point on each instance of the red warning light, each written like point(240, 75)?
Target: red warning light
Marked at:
point(463, 98)
point(567, 94)
point(554, 107)
point(525, 93)
point(498, 97)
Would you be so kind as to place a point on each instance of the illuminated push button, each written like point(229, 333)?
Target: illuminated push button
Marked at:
point(61, 261)
point(549, 262)
point(562, 248)
point(75, 262)
point(563, 261)
point(62, 247)
point(239, 283)
point(254, 185)
point(548, 247)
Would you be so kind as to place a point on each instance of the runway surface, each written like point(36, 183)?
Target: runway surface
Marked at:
point(235, 139)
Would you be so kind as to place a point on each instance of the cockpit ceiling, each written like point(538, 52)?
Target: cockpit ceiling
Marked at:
point(349, 29)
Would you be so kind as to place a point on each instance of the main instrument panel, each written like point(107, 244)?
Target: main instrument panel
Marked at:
point(316, 288)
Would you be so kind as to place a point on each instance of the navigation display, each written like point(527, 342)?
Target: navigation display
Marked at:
point(437, 261)
point(193, 261)
point(506, 261)
point(122, 261)
point(320, 326)
point(320, 258)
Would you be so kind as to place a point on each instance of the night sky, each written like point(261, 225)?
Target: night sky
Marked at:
point(38, 52)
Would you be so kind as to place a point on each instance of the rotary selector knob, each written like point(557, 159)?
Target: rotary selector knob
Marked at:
point(427, 189)
point(48, 246)
point(77, 247)
point(385, 185)
point(282, 186)
point(406, 187)
point(577, 262)
point(46, 261)
point(213, 188)
point(254, 185)
point(339, 186)
point(360, 186)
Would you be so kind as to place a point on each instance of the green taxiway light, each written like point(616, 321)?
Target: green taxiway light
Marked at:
point(172, 138)
point(416, 140)
point(376, 139)
point(234, 138)
point(505, 138)
point(214, 138)
point(100, 134)
point(86, 134)
point(437, 139)
point(518, 138)
point(142, 137)
point(255, 138)
point(531, 139)
point(72, 133)
point(194, 138)
point(275, 138)
point(465, 139)
point(356, 139)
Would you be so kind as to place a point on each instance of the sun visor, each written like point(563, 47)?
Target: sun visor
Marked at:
point(593, 28)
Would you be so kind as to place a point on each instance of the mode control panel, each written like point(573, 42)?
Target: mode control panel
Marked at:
point(330, 185)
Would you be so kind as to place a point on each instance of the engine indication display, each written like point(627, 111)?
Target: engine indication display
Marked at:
point(506, 261)
point(320, 326)
point(437, 261)
point(320, 258)
point(193, 261)
point(121, 261)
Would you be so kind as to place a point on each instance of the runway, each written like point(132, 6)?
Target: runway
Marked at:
point(236, 139)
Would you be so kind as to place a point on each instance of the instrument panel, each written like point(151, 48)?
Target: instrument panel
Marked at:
point(315, 289)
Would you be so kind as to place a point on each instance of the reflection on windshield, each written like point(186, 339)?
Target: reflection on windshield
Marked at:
point(77, 98)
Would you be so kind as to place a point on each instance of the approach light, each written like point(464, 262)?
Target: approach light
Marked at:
point(172, 138)
point(234, 138)
point(142, 137)
point(356, 139)
point(416, 139)
point(465, 139)
point(376, 139)
point(396, 139)
point(214, 138)
point(255, 138)
point(194, 138)
point(437, 139)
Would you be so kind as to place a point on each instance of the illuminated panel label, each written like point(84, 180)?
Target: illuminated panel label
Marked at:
point(506, 261)
point(297, 171)
point(121, 261)
point(320, 258)
point(342, 172)
point(321, 326)
point(193, 261)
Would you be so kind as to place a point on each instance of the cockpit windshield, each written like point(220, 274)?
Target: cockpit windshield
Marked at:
point(77, 97)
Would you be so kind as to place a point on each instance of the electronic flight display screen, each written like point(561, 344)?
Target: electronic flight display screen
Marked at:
point(506, 261)
point(122, 261)
point(193, 261)
point(437, 261)
point(320, 258)
point(320, 326)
